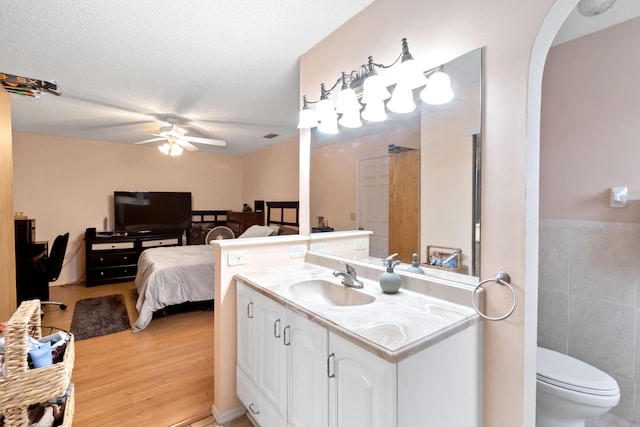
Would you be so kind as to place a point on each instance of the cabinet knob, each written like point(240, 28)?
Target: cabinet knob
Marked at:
point(125, 258)
point(102, 273)
point(101, 259)
point(113, 245)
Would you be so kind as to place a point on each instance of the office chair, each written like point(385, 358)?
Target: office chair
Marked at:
point(52, 265)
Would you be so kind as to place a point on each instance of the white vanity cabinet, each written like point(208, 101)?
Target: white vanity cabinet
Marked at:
point(294, 372)
point(282, 368)
point(362, 390)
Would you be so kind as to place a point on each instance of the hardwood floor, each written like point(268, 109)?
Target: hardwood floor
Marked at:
point(161, 376)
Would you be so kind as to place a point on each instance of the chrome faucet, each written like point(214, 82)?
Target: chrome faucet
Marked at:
point(349, 277)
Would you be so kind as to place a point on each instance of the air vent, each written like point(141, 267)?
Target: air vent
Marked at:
point(270, 135)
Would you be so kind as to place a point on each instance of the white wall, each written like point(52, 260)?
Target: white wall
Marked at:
point(589, 274)
point(513, 57)
point(67, 184)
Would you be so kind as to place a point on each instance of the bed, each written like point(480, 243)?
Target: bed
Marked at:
point(169, 276)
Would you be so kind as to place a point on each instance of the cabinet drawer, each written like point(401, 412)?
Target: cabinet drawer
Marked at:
point(108, 259)
point(172, 241)
point(256, 403)
point(119, 272)
point(112, 246)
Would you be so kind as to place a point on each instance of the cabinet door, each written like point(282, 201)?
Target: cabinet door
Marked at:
point(271, 375)
point(245, 313)
point(308, 388)
point(362, 388)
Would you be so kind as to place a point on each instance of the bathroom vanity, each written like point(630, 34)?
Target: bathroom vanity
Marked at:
point(315, 353)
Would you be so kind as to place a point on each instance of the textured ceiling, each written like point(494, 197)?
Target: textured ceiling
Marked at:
point(227, 69)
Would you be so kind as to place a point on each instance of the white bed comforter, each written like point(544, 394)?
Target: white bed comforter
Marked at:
point(173, 275)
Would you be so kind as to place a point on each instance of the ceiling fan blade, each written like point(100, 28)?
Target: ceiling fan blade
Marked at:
point(186, 145)
point(149, 140)
point(205, 141)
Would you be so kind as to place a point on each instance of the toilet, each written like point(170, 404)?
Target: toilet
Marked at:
point(568, 391)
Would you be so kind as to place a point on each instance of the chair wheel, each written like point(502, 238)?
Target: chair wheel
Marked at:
point(63, 306)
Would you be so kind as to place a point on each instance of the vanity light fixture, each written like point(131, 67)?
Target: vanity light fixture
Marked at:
point(307, 118)
point(438, 89)
point(374, 88)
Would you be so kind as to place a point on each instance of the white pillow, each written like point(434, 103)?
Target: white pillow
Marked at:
point(275, 228)
point(257, 231)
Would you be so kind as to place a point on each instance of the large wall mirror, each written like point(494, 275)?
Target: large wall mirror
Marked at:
point(413, 180)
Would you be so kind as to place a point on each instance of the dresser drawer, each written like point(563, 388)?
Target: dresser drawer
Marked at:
point(108, 259)
point(112, 246)
point(171, 241)
point(109, 273)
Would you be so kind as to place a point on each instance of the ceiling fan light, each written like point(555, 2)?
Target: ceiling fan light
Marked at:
point(176, 150)
point(402, 100)
point(165, 148)
point(438, 90)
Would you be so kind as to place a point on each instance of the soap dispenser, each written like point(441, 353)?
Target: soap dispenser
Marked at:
point(415, 266)
point(390, 280)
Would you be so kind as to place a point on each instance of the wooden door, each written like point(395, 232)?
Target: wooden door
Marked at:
point(404, 204)
point(7, 245)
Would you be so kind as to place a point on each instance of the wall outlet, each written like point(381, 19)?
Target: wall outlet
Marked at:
point(352, 216)
point(297, 251)
point(238, 257)
point(360, 244)
point(317, 247)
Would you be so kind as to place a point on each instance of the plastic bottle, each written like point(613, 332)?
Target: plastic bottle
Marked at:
point(390, 281)
point(415, 266)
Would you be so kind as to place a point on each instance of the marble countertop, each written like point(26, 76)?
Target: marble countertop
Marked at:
point(393, 326)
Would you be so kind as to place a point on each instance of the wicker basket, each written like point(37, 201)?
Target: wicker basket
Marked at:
point(20, 386)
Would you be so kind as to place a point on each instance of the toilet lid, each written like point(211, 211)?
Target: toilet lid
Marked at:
point(564, 371)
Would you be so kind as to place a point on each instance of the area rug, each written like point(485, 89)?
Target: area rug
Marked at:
point(95, 317)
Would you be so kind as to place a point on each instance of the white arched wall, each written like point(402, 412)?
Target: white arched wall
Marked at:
point(558, 13)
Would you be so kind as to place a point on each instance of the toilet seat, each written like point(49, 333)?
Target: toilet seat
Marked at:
point(566, 372)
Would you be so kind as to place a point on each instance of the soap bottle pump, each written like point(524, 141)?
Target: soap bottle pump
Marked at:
point(390, 280)
point(415, 266)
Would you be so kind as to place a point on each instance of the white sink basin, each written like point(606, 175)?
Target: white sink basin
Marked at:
point(325, 292)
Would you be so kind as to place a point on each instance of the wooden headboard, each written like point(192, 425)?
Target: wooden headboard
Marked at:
point(202, 222)
point(283, 213)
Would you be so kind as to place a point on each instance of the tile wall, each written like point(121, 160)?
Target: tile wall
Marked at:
point(588, 306)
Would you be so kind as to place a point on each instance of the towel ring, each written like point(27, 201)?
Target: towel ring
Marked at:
point(504, 279)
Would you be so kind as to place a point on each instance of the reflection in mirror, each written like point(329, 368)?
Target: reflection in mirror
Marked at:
point(413, 180)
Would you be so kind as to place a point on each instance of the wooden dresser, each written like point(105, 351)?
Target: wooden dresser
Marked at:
point(240, 221)
point(114, 258)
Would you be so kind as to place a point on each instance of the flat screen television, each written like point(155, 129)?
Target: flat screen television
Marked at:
point(151, 211)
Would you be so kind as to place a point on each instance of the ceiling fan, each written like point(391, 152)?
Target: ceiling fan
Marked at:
point(177, 140)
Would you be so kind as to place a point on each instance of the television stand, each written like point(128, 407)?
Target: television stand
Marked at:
point(114, 258)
